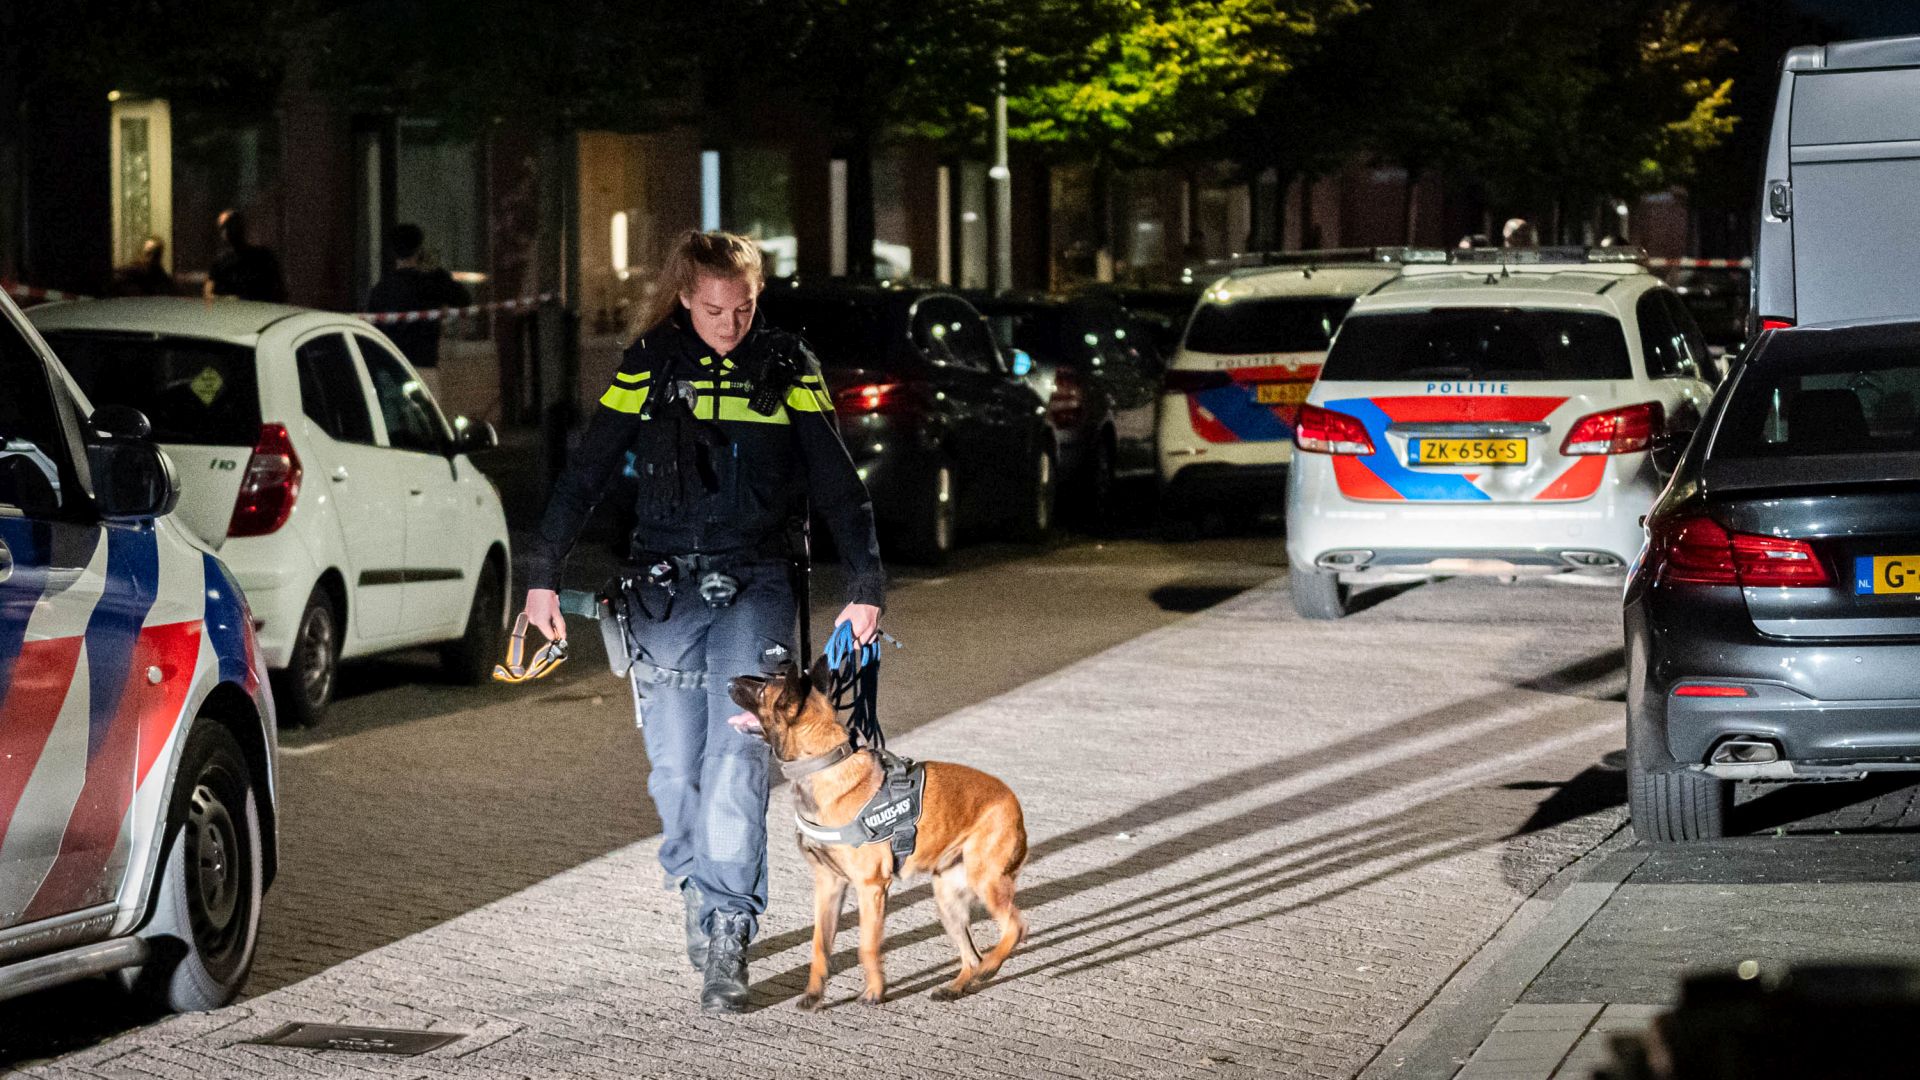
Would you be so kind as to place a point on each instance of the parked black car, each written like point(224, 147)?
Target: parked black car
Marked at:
point(944, 434)
point(1773, 618)
point(1099, 372)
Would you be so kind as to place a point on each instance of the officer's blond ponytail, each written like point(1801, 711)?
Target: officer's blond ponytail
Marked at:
point(696, 253)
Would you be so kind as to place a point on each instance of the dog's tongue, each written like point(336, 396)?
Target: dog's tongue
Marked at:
point(746, 724)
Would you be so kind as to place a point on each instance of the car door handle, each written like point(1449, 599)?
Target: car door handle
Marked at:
point(339, 475)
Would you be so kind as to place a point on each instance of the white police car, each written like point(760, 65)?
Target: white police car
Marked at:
point(136, 733)
point(1500, 414)
point(318, 466)
point(1252, 349)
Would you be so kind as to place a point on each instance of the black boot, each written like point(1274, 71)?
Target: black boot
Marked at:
point(725, 988)
point(696, 937)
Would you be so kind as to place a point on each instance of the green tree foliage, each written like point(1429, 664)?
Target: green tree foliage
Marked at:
point(1131, 81)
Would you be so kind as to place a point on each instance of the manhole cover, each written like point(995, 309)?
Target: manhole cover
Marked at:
point(363, 1040)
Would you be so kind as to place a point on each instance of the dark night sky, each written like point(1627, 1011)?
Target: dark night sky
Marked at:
point(1867, 18)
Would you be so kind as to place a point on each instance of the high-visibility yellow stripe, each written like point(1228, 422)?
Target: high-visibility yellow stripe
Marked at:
point(733, 408)
point(809, 399)
point(638, 378)
point(621, 399)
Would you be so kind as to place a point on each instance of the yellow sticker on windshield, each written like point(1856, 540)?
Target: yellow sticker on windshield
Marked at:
point(207, 385)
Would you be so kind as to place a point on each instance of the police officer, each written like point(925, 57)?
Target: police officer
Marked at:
point(732, 433)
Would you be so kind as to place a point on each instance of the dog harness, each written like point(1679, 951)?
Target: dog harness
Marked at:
point(892, 816)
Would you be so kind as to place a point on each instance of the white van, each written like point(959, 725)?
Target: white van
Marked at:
point(1835, 241)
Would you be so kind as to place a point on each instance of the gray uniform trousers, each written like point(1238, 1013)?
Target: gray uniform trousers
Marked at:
point(708, 781)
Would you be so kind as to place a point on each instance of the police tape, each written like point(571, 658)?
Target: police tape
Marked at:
point(388, 318)
point(1700, 264)
point(36, 295)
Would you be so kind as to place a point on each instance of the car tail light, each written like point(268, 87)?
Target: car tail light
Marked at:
point(269, 486)
point(1192, 382)
point(1776, 324)
point(1710, 690)
point(1699, 550)
point(866, 397)
point(1323, 431)
point(1618, 431)
point(1068, 404)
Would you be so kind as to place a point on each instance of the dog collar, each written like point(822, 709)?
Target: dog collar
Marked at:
point(807, 766)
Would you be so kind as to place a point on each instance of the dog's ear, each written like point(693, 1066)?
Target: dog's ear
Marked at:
point(793, 688)
point(820, 675)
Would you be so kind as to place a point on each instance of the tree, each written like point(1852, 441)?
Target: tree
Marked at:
point(1600, 100)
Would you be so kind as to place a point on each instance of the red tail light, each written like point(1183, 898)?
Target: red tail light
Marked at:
point(1323, 431)
point(866, 397)
point(1192, 382)
point(269, 487)
point(1699, 550)
point(1776, 324)
point(1710, 690)
point(1068, 405)
point(1620, 431)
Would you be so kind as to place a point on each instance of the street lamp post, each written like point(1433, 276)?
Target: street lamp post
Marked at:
point(1001, 179)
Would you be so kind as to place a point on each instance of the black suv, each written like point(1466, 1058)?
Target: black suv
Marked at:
point(1098, 369)
point(945, 436)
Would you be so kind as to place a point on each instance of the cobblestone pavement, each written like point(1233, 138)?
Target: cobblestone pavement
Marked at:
point(1259, 845)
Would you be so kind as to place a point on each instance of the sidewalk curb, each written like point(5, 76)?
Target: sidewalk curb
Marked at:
point(1437, 1042)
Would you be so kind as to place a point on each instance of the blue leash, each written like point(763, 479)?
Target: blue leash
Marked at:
point(856, 684)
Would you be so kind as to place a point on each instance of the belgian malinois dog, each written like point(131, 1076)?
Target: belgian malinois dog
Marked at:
point(971, 836)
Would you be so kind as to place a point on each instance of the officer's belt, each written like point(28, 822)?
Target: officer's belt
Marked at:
point(892, 815)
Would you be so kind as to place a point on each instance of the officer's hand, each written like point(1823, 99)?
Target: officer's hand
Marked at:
point(864, 618)
point(543, 613)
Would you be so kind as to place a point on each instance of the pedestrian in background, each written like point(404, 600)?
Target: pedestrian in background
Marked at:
point(733, 435)
point(242, 269)
point(416, 284)
point(147, 275)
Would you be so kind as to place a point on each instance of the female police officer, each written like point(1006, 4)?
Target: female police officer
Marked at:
point(731, 433)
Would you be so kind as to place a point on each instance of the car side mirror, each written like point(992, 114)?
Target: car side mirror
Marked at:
point(1668, 448)
point(133, 480)
point(473, 436)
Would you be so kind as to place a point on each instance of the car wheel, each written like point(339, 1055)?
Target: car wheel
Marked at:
point(1672, 804)
point(928, 537)
point(469, 658)
point(305, 689)
point(1319, 594)
point(1034, 523)
point(205, 919)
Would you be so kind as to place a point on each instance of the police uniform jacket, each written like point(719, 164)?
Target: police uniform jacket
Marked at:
point(715, 477)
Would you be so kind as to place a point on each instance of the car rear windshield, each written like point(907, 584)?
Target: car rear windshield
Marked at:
point(1848, 401)
point(843, 333)
point(1507, 344)
point(191, 390)
point(1265, 325)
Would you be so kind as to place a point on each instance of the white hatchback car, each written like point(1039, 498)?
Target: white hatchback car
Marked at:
point(317, 464)
point(1492, 417)
point(1251, 351)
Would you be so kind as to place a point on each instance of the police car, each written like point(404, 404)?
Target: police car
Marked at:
point(1506, 413)
point(136, 732)
point(319, 467)
point(1251, 351)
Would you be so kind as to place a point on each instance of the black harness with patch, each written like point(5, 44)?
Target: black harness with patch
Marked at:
point(891, 817)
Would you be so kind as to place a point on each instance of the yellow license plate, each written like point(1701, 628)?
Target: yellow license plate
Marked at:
point(1875, 574)
point(1283, 393)
point(1467, 451)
